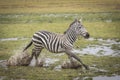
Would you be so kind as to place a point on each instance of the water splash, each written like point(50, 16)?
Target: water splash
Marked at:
point(49, 61)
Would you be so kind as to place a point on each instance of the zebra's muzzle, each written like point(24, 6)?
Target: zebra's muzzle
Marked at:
point(87, 35)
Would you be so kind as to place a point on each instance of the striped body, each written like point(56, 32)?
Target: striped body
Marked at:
point(51, 41)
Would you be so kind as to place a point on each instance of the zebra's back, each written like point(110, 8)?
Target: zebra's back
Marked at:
point(51, 41)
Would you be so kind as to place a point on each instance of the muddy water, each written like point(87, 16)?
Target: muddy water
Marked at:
point(49, 61)
point(2, 77)
point(3, 63)
point(103, 49)
point(98, 78)
point(12, 39)
point(106, 78)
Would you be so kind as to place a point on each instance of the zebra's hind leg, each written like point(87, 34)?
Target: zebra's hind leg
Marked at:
point(71, 60)
point(35, 53)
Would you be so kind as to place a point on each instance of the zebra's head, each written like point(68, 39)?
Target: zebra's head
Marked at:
point(80, 29)
point(77, 27)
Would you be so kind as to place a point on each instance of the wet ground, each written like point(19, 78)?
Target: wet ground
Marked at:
point(108, 47)
point(83, 78)
point(104, 48)
point(98, 78)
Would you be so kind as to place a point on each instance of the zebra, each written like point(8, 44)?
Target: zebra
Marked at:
point(59, 43)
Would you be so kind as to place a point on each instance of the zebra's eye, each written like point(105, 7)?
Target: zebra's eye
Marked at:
point(79, 27)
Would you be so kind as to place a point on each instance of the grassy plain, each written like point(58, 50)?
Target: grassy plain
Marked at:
point(22, 18)
point(56, 6)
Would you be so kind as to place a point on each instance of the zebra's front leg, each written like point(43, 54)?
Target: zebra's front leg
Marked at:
point(71, 54)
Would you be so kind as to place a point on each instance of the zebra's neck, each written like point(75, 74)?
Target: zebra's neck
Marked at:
point(71, 36)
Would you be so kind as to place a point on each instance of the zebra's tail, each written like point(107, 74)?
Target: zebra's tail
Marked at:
point(27, 46)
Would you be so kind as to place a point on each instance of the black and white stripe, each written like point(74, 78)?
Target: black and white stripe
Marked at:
point(57, 43)
point(48, 40)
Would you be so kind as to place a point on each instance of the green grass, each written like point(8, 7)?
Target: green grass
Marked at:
point(104, 25)
point(56, 6)
point(9, 48)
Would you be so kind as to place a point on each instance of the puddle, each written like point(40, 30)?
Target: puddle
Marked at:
point(106, 78)
point(3, 64)
point(12, 39)
point(103, 49)
point(5, 78)
point(2, 77)
point(58, 68)
point(98, 78)
point(97, 50)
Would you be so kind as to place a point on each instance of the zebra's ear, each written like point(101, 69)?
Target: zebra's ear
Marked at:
point(80, 20)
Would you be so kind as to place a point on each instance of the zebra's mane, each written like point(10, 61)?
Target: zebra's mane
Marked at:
point(70, 26)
